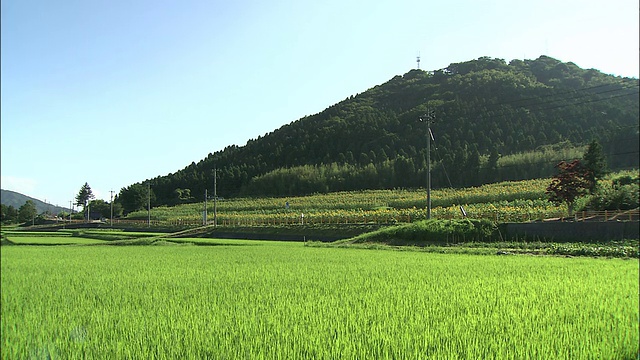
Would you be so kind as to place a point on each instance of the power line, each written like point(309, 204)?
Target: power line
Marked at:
point(589, 101)
point(539, 105)
point(556, 94)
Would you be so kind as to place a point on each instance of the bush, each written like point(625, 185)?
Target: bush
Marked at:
point(621, 193)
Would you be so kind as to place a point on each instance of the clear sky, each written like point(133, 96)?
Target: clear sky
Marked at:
point(116, 92)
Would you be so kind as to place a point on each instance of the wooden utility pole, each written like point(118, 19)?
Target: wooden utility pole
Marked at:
point(204, 213)
point(428, 117)
point(215, 197)
point(111, 203)
point(148, 204)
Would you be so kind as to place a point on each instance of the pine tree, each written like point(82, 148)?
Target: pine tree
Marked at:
point(84, 195)
point(594, 161)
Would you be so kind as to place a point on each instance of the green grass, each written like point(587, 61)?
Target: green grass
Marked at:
point(59, 233)
point(228, 242)
point(80, 237)
point(113, 234)
point(270, 300)
point(61, 237)
point(52, 240)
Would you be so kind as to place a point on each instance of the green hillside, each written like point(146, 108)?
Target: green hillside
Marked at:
point(15, 199)
point(493, 121)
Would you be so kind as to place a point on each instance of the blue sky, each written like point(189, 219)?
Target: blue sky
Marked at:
point(116, 92)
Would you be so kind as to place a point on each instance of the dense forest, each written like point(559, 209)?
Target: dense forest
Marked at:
point(490, 121)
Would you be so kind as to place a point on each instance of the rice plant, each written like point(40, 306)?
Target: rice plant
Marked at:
point(269, 300)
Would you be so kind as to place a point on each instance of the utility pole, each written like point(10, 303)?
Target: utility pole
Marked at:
point(428, 118)
point(111, 203)
point(215, 197)
point(148, 204)
point(204, 214)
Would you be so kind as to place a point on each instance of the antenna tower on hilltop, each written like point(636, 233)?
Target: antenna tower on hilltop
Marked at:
point(418, 60)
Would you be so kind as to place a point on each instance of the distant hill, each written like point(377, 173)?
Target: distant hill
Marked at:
point(485, 111)
point(12, 198)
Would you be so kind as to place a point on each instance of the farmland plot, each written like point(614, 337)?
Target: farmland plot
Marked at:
point(268, 300)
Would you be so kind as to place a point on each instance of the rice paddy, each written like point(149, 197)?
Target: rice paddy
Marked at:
point(276, 300)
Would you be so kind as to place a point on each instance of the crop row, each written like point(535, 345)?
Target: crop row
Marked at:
point(503, 201)
point(504, 211)
point(358, 200)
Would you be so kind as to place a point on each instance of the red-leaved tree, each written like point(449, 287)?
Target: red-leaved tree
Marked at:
point(572, 181)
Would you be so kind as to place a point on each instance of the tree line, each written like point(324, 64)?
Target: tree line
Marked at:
point(27, 213)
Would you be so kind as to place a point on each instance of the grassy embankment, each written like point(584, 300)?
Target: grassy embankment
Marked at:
point(450, 236)
point(479, 237)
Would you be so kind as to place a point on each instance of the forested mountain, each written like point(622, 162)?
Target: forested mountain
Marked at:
point(485, 111)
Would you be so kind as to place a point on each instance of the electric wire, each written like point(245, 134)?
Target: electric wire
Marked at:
point(557, 94)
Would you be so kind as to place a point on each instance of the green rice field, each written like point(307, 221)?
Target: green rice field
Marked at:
point(277, 300)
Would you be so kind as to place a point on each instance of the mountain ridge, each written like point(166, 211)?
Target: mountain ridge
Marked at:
point(16, 199)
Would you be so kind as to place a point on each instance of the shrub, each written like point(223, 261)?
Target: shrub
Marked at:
point(621, 193)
